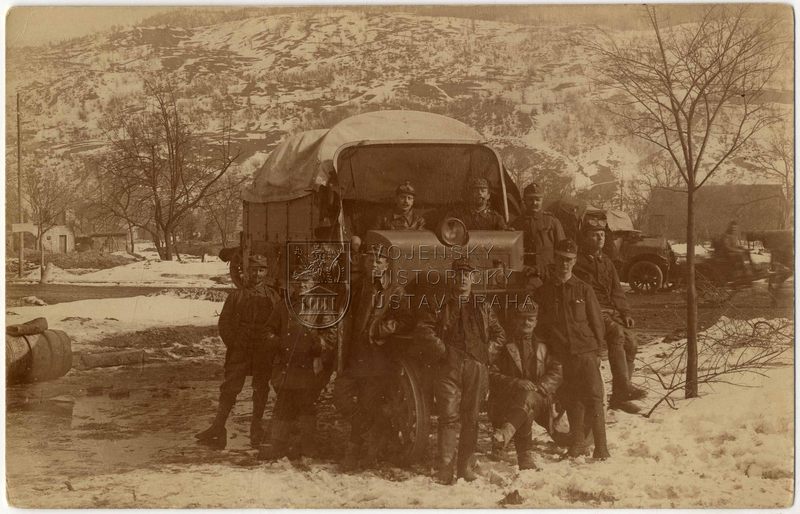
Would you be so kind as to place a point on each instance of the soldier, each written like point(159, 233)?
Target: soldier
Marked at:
point(465, 332)
point(362, 383)
point(523, 381)
point(541, 232)
point(403, 217)
point(249, 351)
point(303, 366)
point(572, 324)
point(597, 270)
point(478, 215)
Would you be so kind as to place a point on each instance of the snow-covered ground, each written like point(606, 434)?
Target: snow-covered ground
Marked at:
point(88, 321)
point(152, 271)
point(733, 447)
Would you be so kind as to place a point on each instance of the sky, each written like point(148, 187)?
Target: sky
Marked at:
point(36, 25)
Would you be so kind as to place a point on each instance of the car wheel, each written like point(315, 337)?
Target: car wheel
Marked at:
point(645, 277)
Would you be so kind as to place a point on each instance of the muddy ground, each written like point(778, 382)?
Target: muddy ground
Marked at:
point(113, 420)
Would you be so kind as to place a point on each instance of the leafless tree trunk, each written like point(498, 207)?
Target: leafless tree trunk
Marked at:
point(696, 92)
point(157, 169)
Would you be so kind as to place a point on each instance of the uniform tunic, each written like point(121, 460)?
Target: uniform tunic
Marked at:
point(249, 350)
point(541, 231)
point(399, 221)
point(480, 219)
point(571, 322)
point(523, 358)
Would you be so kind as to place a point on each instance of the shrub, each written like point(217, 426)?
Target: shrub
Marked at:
point(84, 260)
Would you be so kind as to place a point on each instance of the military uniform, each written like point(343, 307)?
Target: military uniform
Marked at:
point(598, 271)
point(480, 218)
point(361, 387)
point(483, 219)
point(512, 408)
point(249, 352)
point(295, 380)
point(400, 221)
point(467, 334)
point(541, 231)
point(571, 322)
point(396, 219)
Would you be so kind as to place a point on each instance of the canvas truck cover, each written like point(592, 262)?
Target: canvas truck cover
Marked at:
point(619, 221)
point(305, 161)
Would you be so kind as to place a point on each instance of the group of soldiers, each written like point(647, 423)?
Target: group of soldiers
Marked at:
point(549, 354)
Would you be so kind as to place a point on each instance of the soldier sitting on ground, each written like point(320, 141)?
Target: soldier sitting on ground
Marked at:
point(572, 324)
point(596, 269)
point(523, 382)
point(249, 351)
point(303, 366)
point(477, 214)
point(403, 216)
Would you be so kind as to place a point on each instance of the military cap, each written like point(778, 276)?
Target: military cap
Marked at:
point(567, 248)
point(527, 309)
point(406, 189)
point(594, 224)
point(258, 261)
point(476, 182)
point(462, 264)
point(532, 189)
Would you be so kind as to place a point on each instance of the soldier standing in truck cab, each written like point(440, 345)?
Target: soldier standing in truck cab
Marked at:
point(249, 351)
point(403, 216)
point(477, 214)
point(541, 231)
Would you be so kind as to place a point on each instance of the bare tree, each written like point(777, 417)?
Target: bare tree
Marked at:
point(50, 189)
point(696, 92)
point(773, 159)
point(224, 205)
point(657, 171)
point(158, 168)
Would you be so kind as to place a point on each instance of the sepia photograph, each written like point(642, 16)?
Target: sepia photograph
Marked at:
point(400, 256)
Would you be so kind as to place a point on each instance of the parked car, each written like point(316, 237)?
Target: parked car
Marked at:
point(328, 186)
point(646, 263)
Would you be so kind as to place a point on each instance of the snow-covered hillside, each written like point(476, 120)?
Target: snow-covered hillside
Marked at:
point(518, 84)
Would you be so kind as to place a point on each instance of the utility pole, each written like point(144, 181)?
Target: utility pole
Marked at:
point(19, 193)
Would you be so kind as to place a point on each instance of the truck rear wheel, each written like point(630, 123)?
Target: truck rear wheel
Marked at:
point(645, 277)
point(409, 414)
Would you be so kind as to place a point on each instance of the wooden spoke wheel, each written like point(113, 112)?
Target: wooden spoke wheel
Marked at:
point(645, 277)
point(409, 414)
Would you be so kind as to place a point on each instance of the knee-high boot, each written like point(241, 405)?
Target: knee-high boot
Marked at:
point(576, 414)
point(447, 441)
point(598, 422)
point(259, 405)
point(216, 435)
point(307, 425)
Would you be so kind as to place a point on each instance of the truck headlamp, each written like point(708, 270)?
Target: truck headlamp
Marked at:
point(453, 232)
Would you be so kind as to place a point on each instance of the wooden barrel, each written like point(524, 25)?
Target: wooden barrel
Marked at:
point(38, 357)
